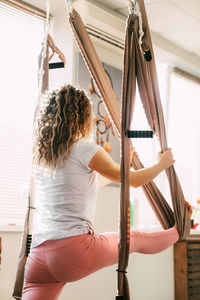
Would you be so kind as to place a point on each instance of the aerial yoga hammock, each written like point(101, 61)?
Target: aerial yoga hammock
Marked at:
point(43, 84)
point(140, 66)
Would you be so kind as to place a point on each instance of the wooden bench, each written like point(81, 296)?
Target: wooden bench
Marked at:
point(187, 269)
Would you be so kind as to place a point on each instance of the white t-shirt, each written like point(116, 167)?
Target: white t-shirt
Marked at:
point(65, 198)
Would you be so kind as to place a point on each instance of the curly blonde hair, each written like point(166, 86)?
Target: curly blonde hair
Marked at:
point(64, 119)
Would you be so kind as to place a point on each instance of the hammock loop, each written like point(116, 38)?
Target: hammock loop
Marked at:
point(43, 56)
point(134, 7)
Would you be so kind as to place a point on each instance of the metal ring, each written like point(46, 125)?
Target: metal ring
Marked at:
point(97, 125)
point(98, 109)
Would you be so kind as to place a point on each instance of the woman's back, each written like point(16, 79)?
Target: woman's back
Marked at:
point(65, 197)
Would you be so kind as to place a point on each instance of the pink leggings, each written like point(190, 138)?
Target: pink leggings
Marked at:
point(54, 263)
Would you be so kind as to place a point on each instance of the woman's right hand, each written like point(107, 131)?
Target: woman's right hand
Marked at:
point(166, 159)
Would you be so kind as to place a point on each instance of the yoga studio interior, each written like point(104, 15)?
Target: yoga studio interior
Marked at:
point(138, 62)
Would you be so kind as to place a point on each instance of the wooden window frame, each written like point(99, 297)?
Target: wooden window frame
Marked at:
point(25, 7)
point(186, 75)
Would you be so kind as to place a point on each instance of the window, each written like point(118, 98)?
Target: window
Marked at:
point(21, 35)
point(182, 110)
point(143, 216)
point(183, 133)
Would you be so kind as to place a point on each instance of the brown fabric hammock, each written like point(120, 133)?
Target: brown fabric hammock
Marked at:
point(135, 66)
point(145, 72)
point(160, 206)
point(19, 281)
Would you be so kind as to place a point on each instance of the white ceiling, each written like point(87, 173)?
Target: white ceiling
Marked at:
point(175, 20)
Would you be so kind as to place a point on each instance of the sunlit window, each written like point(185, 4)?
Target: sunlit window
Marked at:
point(20, 35)
point(181, 111)
point(143, 215)
point(183, 134)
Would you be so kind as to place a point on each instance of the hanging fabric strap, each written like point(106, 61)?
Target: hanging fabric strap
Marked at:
point(153, 109)
point(55, 49)
point(149, 92)
point(18, 286)
point(128, 95)
point(134, 8)
point(146, 75)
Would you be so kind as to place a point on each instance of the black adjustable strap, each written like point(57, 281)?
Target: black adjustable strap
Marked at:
point(140, 134)
point(56, 65)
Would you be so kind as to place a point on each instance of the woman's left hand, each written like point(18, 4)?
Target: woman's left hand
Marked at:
point(132, 153)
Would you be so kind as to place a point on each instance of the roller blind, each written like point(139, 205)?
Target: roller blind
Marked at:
point(183, 131)
point(20, 35)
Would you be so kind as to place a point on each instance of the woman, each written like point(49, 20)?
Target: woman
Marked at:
point(65, 247)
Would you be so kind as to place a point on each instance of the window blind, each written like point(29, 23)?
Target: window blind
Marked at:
point(183, 132)
point(143, 216)
point(21, 35)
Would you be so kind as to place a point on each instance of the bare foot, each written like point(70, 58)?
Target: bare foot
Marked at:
point(189, 208)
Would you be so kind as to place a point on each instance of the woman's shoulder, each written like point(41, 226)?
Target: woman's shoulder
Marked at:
point(86, 143)
point(85, 149)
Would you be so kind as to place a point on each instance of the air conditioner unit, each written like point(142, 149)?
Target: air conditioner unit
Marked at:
point(104, 27)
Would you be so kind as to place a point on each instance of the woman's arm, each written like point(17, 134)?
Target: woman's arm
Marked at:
point(107, 167)
point(103, 181)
